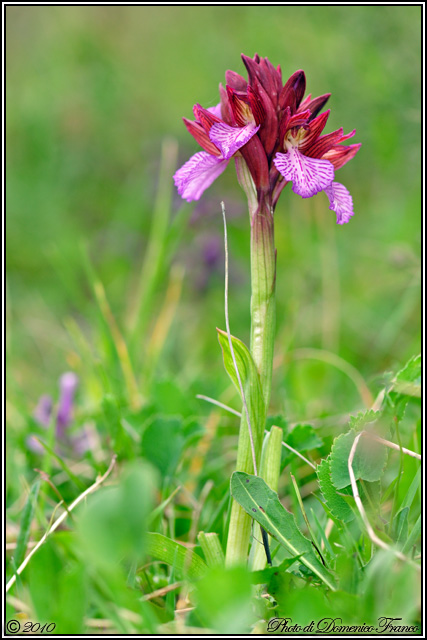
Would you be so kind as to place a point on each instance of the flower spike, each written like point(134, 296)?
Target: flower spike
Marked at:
point(275, 132)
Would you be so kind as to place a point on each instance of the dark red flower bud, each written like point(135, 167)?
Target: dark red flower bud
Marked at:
point(269, 128)
point(314, 105)
point(293, 91)
point(235, 81)
point(252, 68)
point(270, 79)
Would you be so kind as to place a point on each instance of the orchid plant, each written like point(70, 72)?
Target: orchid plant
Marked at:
point(275, 136)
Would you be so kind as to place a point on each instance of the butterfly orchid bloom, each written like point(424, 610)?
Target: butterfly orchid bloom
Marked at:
point(273, 134)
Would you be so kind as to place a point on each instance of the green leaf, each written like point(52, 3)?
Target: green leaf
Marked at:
point(390, 586)
point(363, 418)
point(277, 421)
point(263, 504)
point(113, 524)
point(302, 438)
point(62, 464)
point(370, 494)
point(55, 580)
point(408, 379)
point(368, 463)
point(162, 443)
point(192, 431)
point(224, 601)
point(43, 578)
point(264, 576)
point(211, 547)
point(413, 536)
point(400, 525)
point(184, 561)
point(410, 494)
point(112, 418)
point(321, 533)
point(72, 588)
point(26, 520)
point(301, 607)
point(249, 377)
point(335, 503)
point(161, 507)
point(171, 398)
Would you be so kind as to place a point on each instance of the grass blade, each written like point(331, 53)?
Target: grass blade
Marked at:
point(27, 518)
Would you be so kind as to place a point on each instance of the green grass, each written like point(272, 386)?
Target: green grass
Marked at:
point(95, 97)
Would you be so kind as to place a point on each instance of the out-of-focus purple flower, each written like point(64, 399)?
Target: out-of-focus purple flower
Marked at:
point(212, 252)
point(68, 384)
point(269, 129)
point(43, 413)
point(206, 261)
point(82, 442)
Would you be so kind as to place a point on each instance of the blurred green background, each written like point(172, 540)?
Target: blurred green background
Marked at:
point(91, 94)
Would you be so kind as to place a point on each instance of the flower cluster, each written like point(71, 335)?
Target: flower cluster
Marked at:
point(276, 132)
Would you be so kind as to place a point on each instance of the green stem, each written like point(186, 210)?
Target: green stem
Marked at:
point(212, 549)
point(263, 320)
point(263, 300)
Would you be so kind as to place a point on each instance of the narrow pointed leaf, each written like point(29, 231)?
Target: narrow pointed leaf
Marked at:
point(263, 504)
point(62, 464)
point(248, 375)
point(27, 518)
point(411, 492)
point(413, 536)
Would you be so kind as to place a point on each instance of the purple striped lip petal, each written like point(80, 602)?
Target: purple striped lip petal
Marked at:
point(308, 175)
point(340, 201)
point(197, 174)
point(230, 139)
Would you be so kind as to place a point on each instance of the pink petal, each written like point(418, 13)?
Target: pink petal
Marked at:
point(216, 110)
point(197, 174)
point(231, 139)
point(308, 175)
point(340, 201)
